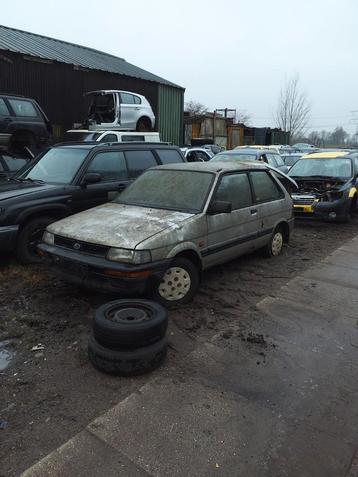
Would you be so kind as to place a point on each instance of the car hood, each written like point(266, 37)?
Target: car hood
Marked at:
point(117, 225)
point(12, 189)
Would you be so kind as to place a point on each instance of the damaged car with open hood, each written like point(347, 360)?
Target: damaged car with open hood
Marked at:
point(173, 222)
point(327, 183)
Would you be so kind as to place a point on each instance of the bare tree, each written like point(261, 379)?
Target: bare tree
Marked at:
point(293, 108)
point(243, 117)
point(194, 108)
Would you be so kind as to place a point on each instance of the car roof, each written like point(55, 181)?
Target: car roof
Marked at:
point(248, 150)
point(107, 91)
point(120, 145)
point(214, 166)
point(326, 155)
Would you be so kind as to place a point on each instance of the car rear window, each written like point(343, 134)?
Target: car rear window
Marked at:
point(139, 161)
point(23, 108)
point(169, 156)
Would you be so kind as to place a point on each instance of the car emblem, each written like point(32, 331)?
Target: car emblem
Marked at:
point(77, 246)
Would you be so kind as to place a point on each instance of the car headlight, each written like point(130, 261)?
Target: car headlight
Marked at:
point(129, 256)
point(48, 238)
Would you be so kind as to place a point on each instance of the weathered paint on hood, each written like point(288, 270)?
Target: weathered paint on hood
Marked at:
point(117, 225)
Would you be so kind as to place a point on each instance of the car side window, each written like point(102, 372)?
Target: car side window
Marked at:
point(14, 164)
point(139, 161)
point(356, 164)
point(169, 156)
point(278, 159)
point(271, 160)
point(23, 108)
point(202, 156)
point(127, 98)
point(137, 100)
point(4, 111)
point(265, 189)
point(235, 188)
point(109, 138)
point(111, 165)
point(133, 138)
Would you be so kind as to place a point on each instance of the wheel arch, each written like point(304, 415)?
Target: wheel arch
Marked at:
point(285, 229)
point(56, 211)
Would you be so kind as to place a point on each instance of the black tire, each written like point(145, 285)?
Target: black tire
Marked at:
point(275, 245)
point(143, 125)
point(127, 362)
point(29, 236)
point(129, 324)
point(189, 283)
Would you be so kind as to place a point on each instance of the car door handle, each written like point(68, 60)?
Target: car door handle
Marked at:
point(253, 211)
point(137, 108)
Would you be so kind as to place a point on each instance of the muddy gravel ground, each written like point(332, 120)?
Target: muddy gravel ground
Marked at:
point(48, 395)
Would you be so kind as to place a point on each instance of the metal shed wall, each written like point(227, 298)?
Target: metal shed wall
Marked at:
point(170, 114)
point(59, 87)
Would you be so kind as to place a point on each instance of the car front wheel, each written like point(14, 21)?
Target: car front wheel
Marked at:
point(179, 283)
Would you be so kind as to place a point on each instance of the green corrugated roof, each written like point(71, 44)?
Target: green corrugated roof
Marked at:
point(39, 46)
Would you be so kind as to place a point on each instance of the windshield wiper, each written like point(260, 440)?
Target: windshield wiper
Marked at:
point(26, 179)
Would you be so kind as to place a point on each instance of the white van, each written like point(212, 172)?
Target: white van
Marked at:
point(110, 136)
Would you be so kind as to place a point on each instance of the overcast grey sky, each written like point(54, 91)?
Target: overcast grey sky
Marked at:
point(226, 53)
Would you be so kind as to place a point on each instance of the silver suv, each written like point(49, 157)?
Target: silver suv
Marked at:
point(172, 223)
point(124, 110)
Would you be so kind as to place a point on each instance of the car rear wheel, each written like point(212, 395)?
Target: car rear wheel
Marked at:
point(29, 237)
point(179, 283)
point(143, 125)
point(275, 245)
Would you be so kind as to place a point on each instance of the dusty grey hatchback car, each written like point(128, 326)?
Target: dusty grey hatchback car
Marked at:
point(172, 223)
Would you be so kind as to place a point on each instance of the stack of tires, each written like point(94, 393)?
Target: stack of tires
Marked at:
point(129, 337)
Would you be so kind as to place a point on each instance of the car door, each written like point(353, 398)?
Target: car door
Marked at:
point(270, 203)
point(129, 111)
point(232, 234)
point(111, 166)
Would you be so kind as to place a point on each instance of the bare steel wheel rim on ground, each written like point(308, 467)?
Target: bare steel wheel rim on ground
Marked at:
point(175, 284)
point(277, 243)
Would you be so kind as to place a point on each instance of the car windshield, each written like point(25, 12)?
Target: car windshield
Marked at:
point(237, 156)
point(58, 166)
point(185, 191)
point(335, 167)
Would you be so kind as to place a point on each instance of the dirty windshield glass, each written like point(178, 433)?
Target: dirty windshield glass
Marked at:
point(57, 166)
point(234, 157)
point(322, 168)
point(185, 191)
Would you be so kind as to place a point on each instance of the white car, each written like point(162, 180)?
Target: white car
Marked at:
point(119, 110)
point(110, 136)
point(197, 154)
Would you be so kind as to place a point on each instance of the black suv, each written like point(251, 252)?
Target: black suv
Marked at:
point(23, 124)
point(67, 179)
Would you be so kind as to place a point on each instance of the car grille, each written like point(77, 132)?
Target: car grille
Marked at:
point(301, 200)
point(79, 246)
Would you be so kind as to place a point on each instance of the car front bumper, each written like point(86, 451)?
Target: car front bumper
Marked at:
point(103, 275)
point(8, 235)
point(325, 210)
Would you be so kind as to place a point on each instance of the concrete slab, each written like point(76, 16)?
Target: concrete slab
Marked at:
point(335, 274)
point(83, 456)
point(185, 428)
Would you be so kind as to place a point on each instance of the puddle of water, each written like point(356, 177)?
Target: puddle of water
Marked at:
point(5, 355)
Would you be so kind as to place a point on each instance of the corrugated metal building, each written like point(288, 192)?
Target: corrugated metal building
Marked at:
point(57, 73)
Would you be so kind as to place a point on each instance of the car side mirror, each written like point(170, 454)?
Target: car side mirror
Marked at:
point(220, 207)
point(92, 178)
